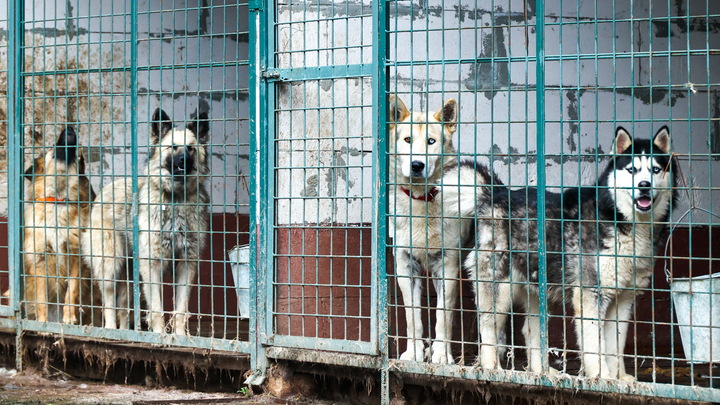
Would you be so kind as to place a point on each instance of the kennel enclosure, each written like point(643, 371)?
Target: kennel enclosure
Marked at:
point(297, 94)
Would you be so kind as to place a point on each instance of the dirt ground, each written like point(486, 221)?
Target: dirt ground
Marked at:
point(31, 388)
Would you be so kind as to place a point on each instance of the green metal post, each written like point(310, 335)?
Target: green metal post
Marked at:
point(134, 160)
point(379, 176)
point(258, 193)
point(540, 111)
point(15, 159)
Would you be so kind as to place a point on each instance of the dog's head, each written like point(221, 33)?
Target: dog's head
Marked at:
point(641, 176)
point(59, 173)
point(421, 140)
point(180, 154)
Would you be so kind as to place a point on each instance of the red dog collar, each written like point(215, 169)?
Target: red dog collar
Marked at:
point(429, 197)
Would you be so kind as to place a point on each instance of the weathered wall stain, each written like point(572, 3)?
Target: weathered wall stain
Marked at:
point(653, 95)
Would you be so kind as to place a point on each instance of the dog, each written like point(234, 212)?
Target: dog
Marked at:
point(600, 242)
point(61, 195)
point(425, 241)
point(172, 223)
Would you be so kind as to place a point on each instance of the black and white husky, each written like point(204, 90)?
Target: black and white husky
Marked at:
point(600, 242)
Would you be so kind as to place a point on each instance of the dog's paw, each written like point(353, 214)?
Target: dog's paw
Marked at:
point(69, 316)
point(418, 354)
point(627, 378)
point(441, 354)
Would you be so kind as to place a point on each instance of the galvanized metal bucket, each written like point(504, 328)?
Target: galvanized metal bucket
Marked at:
point(240, 265)
point(697, 306)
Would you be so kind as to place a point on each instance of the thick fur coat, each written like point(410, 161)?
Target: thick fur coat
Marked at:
point(426, 241)
point(173, 206)
point(600, 243)
point(60, 207)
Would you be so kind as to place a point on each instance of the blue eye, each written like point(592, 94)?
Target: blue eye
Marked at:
point(656, 170)
point(431, 141)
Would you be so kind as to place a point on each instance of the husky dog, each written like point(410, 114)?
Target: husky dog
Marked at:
point(421, 149)
point(61, 197)
point(600, 243)
point(172, 219)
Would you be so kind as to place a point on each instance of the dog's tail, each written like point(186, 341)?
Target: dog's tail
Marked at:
point(463, 187)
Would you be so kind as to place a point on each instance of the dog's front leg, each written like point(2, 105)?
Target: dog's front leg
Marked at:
point(41, 312)
point(411, 290)
point(186, 271)
point(72, 294)
point(616, 327)
point(447, 291)
point(590, 309)
point(151, 273)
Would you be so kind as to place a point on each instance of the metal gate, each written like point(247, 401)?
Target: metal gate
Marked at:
point(101, 70)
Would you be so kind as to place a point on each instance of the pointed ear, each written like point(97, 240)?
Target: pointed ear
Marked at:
point(622, 141)
point(161, 124)
point(448, 115)
point(38, 168)
point(201, 127)
point(398, 111)
point(81, 161)
point(662, 139)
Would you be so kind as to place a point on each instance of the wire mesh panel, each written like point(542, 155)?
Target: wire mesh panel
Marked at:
point(143, 105)
point(584, 133)
point(322, 283)
point(193, 60)
point(464, 81)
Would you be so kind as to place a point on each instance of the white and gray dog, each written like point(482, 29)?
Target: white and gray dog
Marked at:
point(172, 220)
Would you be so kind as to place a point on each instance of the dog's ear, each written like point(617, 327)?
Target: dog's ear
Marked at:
point(201, 127)
point(161, 124)
point(662, 139)
point(37, 168)
point(81, 161)
point(622, 141)
point(398, 111)
point(448, 115)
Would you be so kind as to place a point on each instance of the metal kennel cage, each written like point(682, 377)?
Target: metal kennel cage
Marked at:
point(103, 68)
point(301, 166)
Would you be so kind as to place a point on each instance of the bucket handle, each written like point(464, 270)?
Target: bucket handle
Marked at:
point(668, 274)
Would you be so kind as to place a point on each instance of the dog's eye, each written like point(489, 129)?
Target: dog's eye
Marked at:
point(656, 170)
point(632, 170)
point(431, 141)
point(407, 139)
point(190, 148)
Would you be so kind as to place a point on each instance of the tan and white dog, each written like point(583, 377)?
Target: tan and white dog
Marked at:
point(61, 195)
point(425, 241)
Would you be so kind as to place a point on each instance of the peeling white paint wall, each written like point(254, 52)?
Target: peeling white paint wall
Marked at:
point(324, 134)
point(89, 35)
point(585, 98)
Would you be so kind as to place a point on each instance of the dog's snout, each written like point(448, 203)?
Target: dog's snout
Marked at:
point(68, 137)
point(644, 184)
point(417, 167)
point(179, 162)
point(65, 149)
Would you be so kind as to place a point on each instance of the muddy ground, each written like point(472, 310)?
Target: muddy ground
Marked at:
point(30, 387)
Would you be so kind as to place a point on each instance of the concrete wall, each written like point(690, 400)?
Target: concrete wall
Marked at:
point(324, 127)
point(92, 35)
point(585, 98)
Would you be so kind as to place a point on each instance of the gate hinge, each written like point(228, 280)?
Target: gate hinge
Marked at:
point(271, 74)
